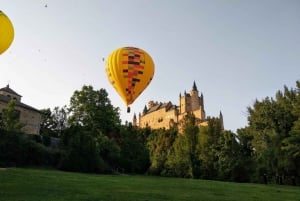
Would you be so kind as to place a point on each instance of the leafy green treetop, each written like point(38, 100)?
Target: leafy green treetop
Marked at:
point(93, 110)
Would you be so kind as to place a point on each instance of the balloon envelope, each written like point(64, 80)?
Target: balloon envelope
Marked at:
point(129, 70)
point(6, 32)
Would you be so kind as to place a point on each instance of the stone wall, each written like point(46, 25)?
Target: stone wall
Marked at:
point(30, 118)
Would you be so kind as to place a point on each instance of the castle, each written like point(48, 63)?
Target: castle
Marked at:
point(29, 116)
point(165, 115)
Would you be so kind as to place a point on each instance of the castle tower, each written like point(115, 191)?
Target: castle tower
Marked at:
point(165, 115)
point(134, 120)
point(221, 120)
point(179, 103)
point(203, 115)
point(192, 103)
point(8, 92)
point(195, 99)
point(185, 103)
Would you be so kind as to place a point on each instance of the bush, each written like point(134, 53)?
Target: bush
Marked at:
point(82, 154)
point(17, 149)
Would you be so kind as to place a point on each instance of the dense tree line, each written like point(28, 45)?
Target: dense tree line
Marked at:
point(92, 139)
point(273, 135)
point(207, 152)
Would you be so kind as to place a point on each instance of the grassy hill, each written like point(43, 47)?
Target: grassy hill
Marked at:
point(17, 184)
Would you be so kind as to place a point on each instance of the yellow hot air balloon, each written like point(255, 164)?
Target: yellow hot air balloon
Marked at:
point(129, 70)
point(6, 32)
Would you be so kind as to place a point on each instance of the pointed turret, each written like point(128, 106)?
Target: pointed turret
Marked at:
point(145, 110)
point(221, 120)
point(134, 120)
point(194, 86)
point(194, 91)
point(202, 100)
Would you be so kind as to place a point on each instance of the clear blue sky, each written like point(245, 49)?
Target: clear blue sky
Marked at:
point(236, 51)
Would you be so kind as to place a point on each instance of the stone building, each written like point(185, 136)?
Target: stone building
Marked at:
point(29, 116)
point(165, 115)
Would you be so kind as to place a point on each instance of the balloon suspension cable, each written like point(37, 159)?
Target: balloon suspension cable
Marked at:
point(128, 109)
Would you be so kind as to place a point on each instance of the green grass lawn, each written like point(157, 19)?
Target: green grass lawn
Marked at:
point(17, 184)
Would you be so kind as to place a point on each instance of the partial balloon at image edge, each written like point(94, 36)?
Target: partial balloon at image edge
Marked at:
point(7, 32)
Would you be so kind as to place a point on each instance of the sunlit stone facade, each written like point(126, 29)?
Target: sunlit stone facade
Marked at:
point(29, 116)
point(165, 115)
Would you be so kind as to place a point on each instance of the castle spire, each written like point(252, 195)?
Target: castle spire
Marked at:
point(145, 110)
point(221, 120)
point(134, 120)
point(194, 86)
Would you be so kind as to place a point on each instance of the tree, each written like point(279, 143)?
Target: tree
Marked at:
point(53, 122)
point(230, 167)
point(59, 116)
point(47, 124)
point(134, 155)
point(93, 110)
point(291, 147)
point(11, 118)
point(246, 161)
point(159, 144)
point(291, 144)
point(183, 158)
point(208, 148)
point(191, 133)
point(109, 151)
point(273, 126)
point(179, 162)
point(93, 126)
point(82, 152)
